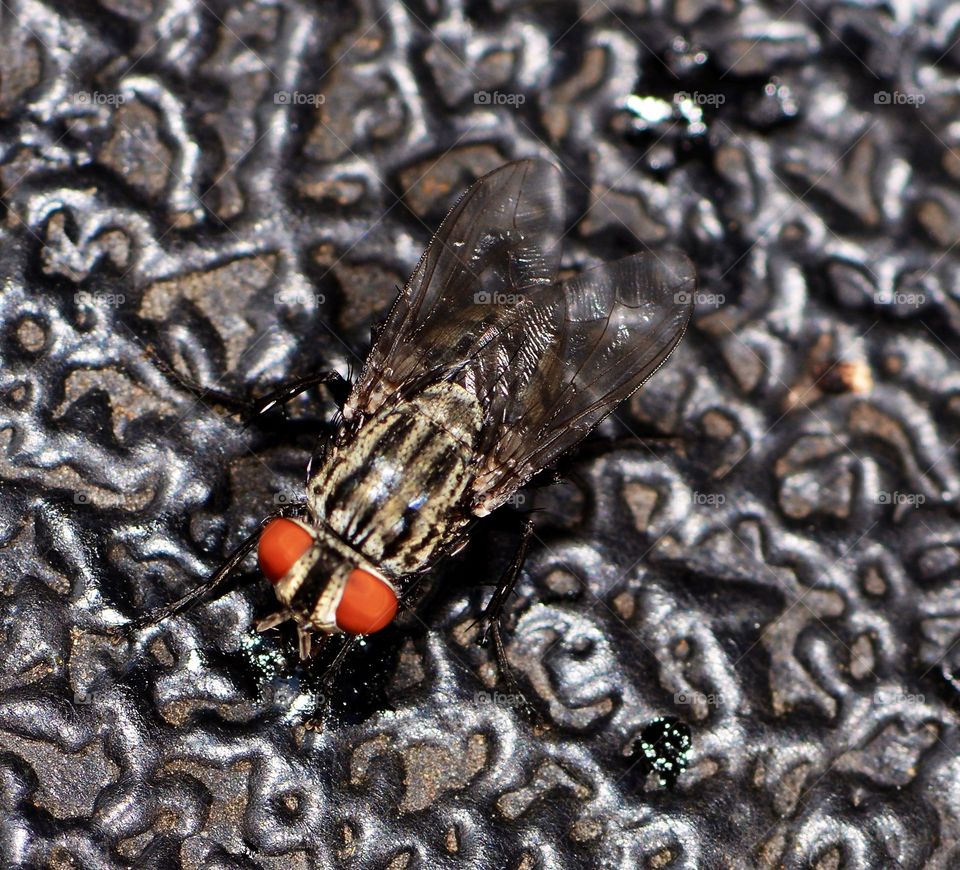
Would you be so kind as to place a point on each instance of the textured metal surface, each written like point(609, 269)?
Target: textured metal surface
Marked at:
point(244, 185)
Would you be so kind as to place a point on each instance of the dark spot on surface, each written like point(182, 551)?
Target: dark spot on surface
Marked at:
point(662, 748)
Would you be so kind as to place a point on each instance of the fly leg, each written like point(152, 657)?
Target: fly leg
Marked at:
point(291, 389)
point(490, 620)
point(251, 410)
point(215, 582)
point(325, 680)
point(226, 571)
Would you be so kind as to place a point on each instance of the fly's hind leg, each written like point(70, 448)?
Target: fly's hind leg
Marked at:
point(251, 409)
point(490, 621)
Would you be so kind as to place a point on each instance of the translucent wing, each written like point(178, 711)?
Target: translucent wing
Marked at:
point(501, 239)
point(575, 352)
point(546, 360)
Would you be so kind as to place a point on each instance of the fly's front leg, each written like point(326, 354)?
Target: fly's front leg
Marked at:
point(324, 682)
point(226, 572)
point(214, 583)
point(250, 409)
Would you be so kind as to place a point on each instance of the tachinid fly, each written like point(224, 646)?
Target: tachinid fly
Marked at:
point(487, 369)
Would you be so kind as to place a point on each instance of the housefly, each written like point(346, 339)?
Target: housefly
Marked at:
point(487, 369)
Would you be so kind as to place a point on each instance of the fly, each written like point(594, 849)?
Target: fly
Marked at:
point(487, 369)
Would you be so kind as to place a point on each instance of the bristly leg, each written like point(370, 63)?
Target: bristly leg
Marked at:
point(291, 389)
point(490, 619)
point(226, 572)
point(324, 682)
point(251, 409)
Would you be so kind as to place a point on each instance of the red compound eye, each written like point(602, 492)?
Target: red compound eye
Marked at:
point(368, 604)
point(282, 543)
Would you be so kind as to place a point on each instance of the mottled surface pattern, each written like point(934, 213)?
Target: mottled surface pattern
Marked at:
point(243, 185)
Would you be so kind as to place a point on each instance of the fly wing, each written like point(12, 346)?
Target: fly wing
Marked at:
point(498, 242)
point(545, 360)
point(571, 354)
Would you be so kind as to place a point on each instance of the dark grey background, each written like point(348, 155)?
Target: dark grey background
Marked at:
point(783, 576)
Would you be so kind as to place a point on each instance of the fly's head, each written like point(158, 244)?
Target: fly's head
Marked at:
point(318, 586)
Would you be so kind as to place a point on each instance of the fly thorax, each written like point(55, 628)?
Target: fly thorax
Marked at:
point(395, 492)
point(452, 408)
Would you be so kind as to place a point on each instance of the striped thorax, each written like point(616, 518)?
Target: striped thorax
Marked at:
point(381, 505)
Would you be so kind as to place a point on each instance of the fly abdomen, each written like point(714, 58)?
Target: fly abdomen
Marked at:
point(394, 492)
